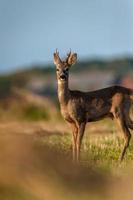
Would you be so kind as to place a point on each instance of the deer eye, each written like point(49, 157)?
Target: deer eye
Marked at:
point(57, 70)
point(67, 69)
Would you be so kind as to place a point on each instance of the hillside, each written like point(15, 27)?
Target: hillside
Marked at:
point(94, 74)
point(26, 92)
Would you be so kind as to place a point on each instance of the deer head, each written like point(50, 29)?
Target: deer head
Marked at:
point(63, 66)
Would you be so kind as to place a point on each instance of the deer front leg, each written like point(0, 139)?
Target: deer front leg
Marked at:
point(81, 130)
point(74, 140)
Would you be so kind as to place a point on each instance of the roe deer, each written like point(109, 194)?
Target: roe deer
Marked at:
point(79, 107)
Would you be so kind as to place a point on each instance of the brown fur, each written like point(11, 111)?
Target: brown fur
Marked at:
point(78, 107)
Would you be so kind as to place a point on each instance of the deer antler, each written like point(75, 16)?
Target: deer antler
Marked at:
point(57, 57)
point(56, 51)
point(68, 55)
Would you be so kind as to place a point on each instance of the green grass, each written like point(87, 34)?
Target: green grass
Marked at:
point(35, 113)
point(101, 151)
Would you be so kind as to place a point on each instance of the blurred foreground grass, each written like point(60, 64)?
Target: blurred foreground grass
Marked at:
point(37, 165)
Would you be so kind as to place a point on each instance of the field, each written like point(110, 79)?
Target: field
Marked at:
point(35, 143)
point(36, 162)
point(51, 52)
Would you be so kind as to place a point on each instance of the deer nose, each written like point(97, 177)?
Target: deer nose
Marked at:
point(63, 76)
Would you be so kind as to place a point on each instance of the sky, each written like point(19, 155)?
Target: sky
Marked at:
point(31, 30)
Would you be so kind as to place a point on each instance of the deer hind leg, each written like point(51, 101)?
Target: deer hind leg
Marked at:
point(74, 140)
point(120, 118)
point(81, 130)
point(127, 107)
point(127, 136)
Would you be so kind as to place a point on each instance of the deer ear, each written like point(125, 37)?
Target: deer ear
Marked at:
point(72, 59)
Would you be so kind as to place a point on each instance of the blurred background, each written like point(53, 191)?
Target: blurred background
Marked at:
point(101, 33)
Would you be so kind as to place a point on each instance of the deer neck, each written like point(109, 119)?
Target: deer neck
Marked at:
point(63, 92)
